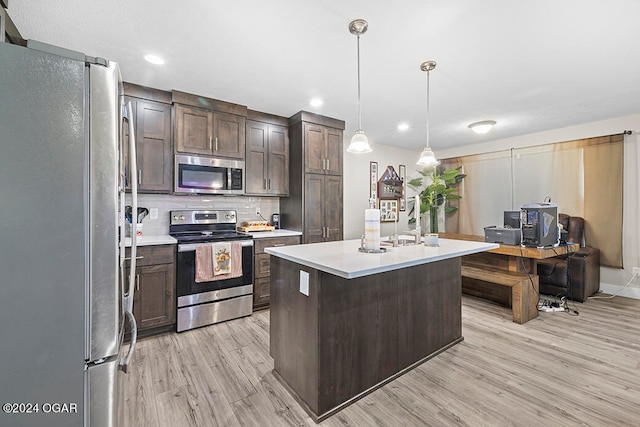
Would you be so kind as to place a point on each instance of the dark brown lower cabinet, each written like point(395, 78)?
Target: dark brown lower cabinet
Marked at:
point(154, 301)
point(323, 221)
point(262, 267)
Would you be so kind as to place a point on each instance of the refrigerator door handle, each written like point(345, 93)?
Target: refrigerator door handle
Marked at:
point(124, 363)
point(128, 291)
point(127, 297)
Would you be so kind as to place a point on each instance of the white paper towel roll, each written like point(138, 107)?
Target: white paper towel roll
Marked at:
point(372, 229)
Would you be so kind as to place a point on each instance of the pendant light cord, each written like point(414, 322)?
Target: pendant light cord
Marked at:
point(428, 72)
point(359, 109)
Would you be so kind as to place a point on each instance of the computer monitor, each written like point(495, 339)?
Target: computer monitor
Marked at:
point(511, 219)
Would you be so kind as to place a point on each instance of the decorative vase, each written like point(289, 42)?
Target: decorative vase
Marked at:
point(433, 219)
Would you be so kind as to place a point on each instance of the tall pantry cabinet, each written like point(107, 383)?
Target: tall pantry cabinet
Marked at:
point(315, 204)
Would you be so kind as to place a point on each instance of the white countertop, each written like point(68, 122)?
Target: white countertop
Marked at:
point(343, 259)
point(165, 239)
point(159, 239)
point(275, 233)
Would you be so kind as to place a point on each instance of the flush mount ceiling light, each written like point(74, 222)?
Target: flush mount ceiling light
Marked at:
point(402, 127)
point(427, 158)
point(154, 59)
point(483, 126)
point(359, 142)
point(316, 102)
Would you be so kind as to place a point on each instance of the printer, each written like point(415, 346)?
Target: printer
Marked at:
point(504, 235)
point(509, 234)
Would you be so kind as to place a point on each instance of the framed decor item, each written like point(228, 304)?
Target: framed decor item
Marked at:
point(402, 171)
point(389, 210)
point(373, 181)
point(390, 185)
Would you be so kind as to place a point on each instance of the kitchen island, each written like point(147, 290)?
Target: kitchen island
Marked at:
point(344, 323)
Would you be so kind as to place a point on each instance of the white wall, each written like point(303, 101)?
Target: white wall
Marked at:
point(356, 186)
point(612, 280)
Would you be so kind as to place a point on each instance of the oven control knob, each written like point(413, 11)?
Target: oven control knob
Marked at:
point(181, 216)
point(229, 216)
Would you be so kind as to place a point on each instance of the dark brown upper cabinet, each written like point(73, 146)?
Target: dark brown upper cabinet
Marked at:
point(209, 133)
point(209, 127)
point(267, 159)
point(323, 152)
point(154, 149)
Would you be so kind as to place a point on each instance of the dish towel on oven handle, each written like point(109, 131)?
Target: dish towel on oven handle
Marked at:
point(205, 254)
point(222, 258)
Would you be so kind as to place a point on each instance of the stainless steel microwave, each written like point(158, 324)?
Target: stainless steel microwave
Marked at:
point(208, 175)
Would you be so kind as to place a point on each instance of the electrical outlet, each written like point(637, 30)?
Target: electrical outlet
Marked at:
point(153, 213)
point(636, 271)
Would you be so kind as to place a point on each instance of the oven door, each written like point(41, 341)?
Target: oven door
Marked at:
point(206, 303)
point(190, 292)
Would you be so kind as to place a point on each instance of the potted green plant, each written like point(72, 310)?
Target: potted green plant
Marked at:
point(442, 187)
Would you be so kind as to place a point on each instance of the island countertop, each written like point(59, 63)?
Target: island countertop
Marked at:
point(342, 258)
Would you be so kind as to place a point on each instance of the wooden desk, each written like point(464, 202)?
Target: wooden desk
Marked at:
point(514, 268)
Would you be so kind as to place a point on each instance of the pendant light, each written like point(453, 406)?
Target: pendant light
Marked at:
point(359, 142)
point(427, 158)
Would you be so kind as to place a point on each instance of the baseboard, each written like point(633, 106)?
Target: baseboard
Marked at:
point(629, 291)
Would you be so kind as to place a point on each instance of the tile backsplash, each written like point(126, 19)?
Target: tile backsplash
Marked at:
point(245, 206)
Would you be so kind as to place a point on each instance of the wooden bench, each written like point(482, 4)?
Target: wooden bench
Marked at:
point(524, 296)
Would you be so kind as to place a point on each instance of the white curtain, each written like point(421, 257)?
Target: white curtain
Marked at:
point(583, 177)
point(631, 210)
point(550, 172)
point(485, 191)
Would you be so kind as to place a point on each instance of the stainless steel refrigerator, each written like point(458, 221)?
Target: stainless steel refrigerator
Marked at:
point(64, 300)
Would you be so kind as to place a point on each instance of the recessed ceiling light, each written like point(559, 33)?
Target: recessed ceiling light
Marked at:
point(316, 102)
point(154, 59)
point(483, 126)
point(403, 127)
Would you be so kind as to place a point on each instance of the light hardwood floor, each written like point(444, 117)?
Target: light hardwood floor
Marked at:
point(556, 370)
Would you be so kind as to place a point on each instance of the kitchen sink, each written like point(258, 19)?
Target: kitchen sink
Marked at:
point(402, 241)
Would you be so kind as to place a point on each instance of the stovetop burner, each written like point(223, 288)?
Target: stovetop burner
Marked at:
point(210, 237)
point(205, 226)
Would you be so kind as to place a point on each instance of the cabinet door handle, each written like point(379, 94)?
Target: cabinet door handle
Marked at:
point(137, 282)
point(264, 185)
point(278, 244)
point(327, 164)
point(323, 164)
point(129, 258)
point(139, 176)
point(269, 185)
point(216, 143)
point(210, 142)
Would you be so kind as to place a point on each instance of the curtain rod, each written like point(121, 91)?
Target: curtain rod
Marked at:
point(624, 132)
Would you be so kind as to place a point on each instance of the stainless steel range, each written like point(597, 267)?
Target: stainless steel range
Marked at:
point(202, 303)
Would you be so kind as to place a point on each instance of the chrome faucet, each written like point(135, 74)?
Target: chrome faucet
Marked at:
point(418, 234)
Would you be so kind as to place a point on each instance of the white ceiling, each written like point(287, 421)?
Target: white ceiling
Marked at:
point(529, 65)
